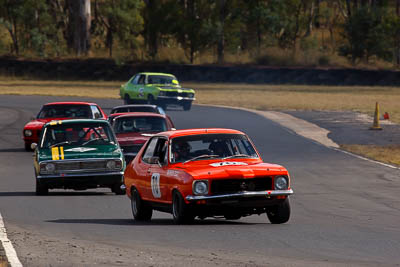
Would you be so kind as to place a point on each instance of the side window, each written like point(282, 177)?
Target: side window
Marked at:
point(96, 112)
point(150, 150)
point(141, 79)
point(161, 150)
point(135, 79)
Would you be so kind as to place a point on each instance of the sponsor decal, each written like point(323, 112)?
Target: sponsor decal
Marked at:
point(55, 122)
point(172, 173)
point(57, 153)
point(227, 163)
point(141, 92)
point(155, 185)
point(81, 149)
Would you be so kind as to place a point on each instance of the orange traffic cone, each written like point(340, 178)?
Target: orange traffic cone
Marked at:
point(376, 125)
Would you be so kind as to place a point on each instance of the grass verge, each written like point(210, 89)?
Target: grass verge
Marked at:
point(387, 154)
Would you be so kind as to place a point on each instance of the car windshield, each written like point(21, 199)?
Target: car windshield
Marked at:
point(207, 146)
point(77, 134)
point(160, 79)
point(134, 109)
point(65, 111)
point(139, 124)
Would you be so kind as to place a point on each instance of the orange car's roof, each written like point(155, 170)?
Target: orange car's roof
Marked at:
point(176, 133)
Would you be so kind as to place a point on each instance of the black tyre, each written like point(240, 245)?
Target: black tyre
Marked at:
point(28, 147)
point(150, 100)
point(41, 189)
point(280, 213)
point(117, 189)
point(127, 100)
point(180, 210)
point(187, 105)
point(141, 210)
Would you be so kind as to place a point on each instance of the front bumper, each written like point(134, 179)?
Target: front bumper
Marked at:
point(266, 194)
point(81, 180)
point(174, 99)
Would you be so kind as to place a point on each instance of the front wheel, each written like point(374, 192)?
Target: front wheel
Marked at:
point(127, 100)
point(279, 213)
point(41, 189)
point(117, 189)
point(28, 147)
point(141, 211)
point(180, 210)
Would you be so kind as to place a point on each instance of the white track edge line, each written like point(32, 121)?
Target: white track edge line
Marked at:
point(11, 254)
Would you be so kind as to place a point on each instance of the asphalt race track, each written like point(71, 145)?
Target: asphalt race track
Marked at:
point(345, 211)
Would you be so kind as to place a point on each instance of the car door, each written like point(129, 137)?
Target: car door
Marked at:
point(140, 87)
point(143, 169)
point(158, 171)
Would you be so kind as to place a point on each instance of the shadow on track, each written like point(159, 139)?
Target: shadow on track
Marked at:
point(152, 222)
point(54, 194)
point(9, 150)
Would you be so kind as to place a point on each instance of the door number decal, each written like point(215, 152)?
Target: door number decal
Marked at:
point(155, 185)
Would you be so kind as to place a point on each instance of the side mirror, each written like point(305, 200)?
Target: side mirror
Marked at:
point(154, 160)
point(33, 146)
point(97, 115)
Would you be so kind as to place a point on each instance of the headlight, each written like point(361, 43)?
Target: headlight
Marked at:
point(28, 133)
point(47, 168)
point(162, 93)
point(114, 165)
point(281, 183)
point(200, 187)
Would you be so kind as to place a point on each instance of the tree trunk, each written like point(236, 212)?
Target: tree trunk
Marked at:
point(398, 43)
point(348, 8)
point(221, 37)
point(80, 19)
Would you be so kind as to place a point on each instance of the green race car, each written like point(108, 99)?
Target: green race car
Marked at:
point(78, 154)
point(156, 88)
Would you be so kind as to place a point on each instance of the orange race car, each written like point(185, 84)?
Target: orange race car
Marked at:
point(206, 173)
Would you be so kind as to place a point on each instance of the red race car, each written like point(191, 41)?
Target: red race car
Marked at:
point(206, 173)
point(134, 129)
point(59, 111)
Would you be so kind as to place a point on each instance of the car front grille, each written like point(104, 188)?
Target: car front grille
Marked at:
point(175, 94)
point(228, 186)
point(81, 166)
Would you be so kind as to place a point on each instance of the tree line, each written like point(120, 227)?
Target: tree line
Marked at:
point(357, 29)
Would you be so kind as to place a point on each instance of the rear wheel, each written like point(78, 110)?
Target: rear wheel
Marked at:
point(141, 210)
point(279, 213)
point(187, 105)
point(180, 210)
point(41, 189)
point(150, 99)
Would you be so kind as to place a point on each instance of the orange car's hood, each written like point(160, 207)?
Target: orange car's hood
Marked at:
point(233, 169)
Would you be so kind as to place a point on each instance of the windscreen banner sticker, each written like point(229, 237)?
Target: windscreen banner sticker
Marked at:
point(155, 185)
point(227, 163)
point(81, 149)
point(57, 153)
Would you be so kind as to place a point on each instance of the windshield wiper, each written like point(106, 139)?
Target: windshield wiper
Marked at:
point(238, 155)
point(61, 143)
point(200, 157)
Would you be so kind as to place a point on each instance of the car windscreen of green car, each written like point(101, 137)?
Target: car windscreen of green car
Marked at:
point(156, 88)
point(78, 154)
